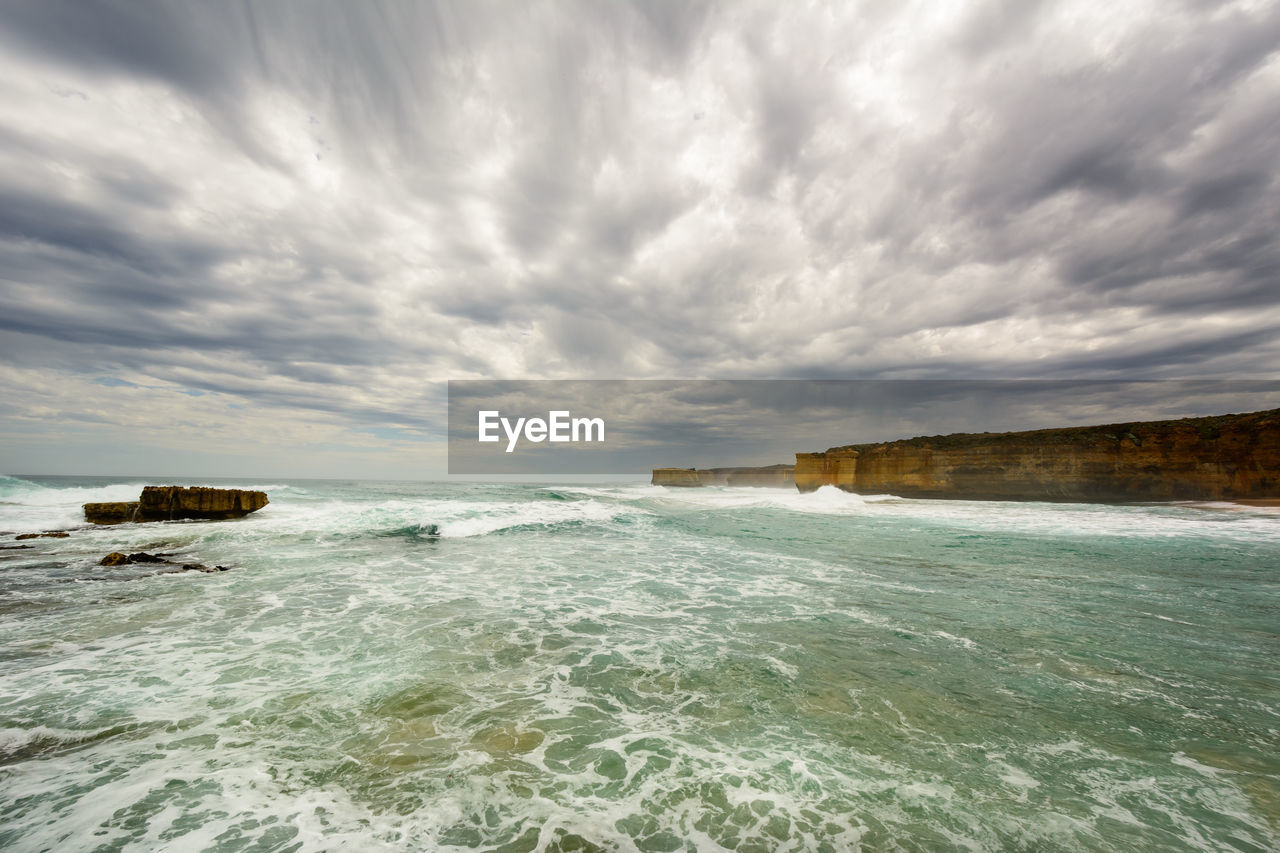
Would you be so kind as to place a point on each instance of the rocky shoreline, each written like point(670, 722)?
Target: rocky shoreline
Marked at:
point(156, 503)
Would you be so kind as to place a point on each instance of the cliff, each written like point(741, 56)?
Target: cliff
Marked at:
point(680, 477)
point(772, 476)
point(1224, 457)
point(167, 503)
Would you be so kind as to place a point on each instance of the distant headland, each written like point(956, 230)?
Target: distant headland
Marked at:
point(1226, 457)
point(777, 476)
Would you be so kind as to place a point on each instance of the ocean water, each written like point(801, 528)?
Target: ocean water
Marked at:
point(393, 666)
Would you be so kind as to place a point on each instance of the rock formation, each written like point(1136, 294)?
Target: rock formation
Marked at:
point(199, 502)
point(112, 513)
point(1224, 457)
point(115, 558)
point(167, 503)
point(680, 477)
point(776, 476)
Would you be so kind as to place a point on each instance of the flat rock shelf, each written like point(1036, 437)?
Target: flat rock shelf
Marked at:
point(169, 503)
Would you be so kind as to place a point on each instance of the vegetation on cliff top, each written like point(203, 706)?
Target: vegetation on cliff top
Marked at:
point(1207, 428)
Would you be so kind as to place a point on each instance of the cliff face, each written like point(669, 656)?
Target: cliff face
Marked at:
point(681, 477)
point(200, 502)
point(1231, 456)
point(774, 476)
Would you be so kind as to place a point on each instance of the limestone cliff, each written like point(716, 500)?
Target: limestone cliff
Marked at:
point(1224, 457)
point(772, 476)
point(681, 477)
point(167, 503)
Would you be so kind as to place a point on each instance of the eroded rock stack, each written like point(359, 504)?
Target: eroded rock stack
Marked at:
point(169, 503)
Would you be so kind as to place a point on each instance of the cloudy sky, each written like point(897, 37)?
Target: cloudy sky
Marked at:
point(257, 239)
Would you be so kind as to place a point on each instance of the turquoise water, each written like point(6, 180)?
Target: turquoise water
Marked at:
point(499, 667)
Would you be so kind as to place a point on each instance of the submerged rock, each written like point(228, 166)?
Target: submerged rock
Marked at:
point(168, 503)
point(52, 534)
point(201, 567)
point(116, 558)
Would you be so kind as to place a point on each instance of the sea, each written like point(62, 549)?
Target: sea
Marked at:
point(623, 667)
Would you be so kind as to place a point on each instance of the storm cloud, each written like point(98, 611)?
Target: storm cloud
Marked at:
point(284, 225)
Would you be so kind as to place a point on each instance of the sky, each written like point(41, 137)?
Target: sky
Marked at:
point(256, 240)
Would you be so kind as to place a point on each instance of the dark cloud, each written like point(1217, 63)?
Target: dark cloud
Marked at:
point(50, 223)
point(172, 43)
